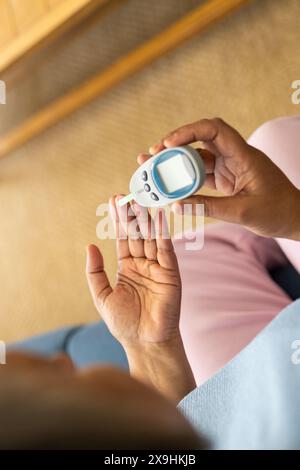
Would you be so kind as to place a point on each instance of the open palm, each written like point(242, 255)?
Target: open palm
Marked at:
point(144, 306)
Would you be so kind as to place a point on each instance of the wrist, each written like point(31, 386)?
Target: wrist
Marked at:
point(294, 233)
point(298, 218)
point(152, 348)
point(162, 365)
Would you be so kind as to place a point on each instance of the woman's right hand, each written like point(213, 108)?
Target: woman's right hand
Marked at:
point(256, 192)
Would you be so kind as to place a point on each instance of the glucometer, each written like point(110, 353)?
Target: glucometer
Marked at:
point(173, 174)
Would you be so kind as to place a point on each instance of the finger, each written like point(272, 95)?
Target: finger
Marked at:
point(228, 141)
point(156, 148)
point(97, 279)
point(228, 208)
point(147, 231)
point(165, 250)
point(143, 157)
point(131, 228)
point(121, 237)
point(209, 160)
point(210, 182)
point(205, 130)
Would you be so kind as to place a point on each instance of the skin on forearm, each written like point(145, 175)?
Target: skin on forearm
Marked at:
point(163, 366)
point(292, 227)
point(296, 235)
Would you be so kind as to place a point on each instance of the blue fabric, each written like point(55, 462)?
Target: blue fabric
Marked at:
point(94, 344)
point(86, 345)
point(254, 401)
point(46, 344)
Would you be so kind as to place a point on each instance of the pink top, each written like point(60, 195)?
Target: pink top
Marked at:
point(228, 296)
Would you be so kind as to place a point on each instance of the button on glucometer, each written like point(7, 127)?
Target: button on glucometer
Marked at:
point(147, 187)
point(144, 176)
point(154, 196)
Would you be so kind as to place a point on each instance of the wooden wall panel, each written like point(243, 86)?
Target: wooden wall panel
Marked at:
point(53, 3)
point(185, 28)
point(25, 25)
point(7, 26)
point(27, 12)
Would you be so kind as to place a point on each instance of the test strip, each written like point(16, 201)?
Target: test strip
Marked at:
point(125, 200)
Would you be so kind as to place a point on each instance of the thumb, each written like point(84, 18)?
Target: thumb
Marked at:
point(227, 208)
point(97, 279)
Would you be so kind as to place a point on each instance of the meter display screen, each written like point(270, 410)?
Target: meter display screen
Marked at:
point(176, 173)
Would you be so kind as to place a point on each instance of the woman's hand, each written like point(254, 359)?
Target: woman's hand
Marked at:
point(256, 193)
point(144, 306)
point(142, 311)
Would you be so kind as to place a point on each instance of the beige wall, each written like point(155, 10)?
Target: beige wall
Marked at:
point(241, 69)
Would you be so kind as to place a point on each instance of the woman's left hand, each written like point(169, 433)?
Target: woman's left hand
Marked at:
point(142, 311)
point(144, 306)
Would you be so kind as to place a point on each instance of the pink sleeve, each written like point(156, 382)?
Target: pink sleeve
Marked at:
point(280, 140)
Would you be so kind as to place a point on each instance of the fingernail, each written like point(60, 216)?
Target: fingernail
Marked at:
point(154, 148)
point(176, 208)
point(167, 139)
point(187, 209)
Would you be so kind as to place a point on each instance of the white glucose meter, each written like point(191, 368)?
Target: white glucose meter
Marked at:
point(173, 174)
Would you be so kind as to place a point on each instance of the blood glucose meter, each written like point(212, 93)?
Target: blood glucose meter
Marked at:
point(173, 174)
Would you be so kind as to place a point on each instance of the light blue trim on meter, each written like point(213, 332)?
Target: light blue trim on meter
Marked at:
point(166, 155)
